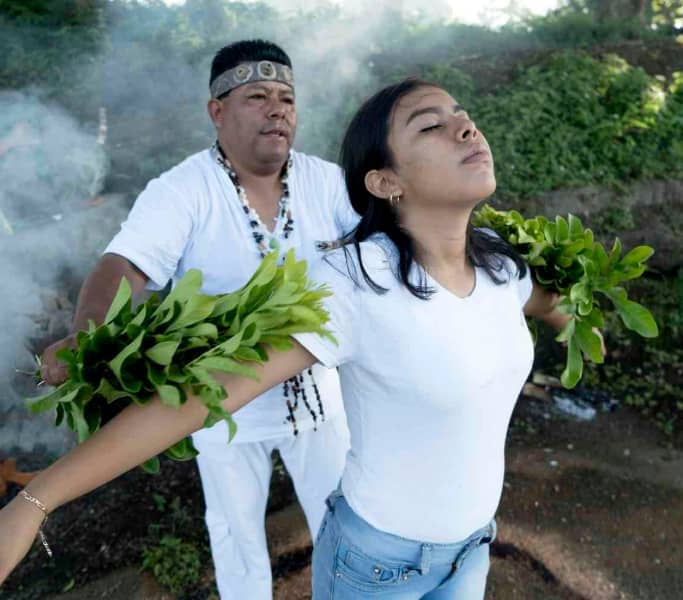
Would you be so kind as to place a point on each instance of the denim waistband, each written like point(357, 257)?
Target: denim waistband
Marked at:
point(400, 549)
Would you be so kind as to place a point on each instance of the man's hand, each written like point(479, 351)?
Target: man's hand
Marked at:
point(19, 524)
point(96, 294)
point(52, 370)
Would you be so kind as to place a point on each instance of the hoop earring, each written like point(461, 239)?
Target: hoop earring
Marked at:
point(394, 200)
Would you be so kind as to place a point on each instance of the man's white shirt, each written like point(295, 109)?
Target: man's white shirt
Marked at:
point(191, 218)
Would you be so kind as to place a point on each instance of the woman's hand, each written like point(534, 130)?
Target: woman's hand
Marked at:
point(542, 304)
point(19, 524)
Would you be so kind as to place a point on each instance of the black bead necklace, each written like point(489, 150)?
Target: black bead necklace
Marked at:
point(267, 242)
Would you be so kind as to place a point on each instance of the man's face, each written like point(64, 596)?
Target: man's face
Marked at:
point(256, 123)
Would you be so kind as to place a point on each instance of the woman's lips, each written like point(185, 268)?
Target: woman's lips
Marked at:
point(477, 156)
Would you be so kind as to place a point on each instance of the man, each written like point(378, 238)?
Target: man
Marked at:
point(221, 211)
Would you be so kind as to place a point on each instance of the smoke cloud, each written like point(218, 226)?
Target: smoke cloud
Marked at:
point(148, 75)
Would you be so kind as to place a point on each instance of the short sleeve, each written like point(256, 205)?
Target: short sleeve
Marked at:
point(156, 232)
point(525, 287)
point(346, 218)
point(344, 308)
point(524, 284)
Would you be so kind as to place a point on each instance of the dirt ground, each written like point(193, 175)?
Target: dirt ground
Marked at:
point(590, 510)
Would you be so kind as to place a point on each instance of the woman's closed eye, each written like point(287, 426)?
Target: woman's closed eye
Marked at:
point(431, 128)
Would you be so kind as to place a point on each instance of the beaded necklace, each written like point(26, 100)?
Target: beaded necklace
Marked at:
point(267, 242)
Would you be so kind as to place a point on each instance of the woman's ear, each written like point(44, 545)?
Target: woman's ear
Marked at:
point(381, 184)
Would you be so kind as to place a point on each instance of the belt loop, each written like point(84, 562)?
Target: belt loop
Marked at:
point(491, 531)
point(331, 500)
point(493, 527)
point(425, 559)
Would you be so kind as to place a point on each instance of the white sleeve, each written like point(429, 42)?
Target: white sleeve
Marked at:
point(345, 217)
point(156, 232)
point(524, 286)
point(343, 307)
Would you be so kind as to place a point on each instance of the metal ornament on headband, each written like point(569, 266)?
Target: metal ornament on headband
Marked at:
point(247, 72)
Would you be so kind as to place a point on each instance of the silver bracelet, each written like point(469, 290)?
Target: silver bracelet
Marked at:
point(33, 500)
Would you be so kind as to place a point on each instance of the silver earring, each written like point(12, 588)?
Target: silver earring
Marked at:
point(394, 199)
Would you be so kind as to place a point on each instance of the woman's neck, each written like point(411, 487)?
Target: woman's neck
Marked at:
point(440, 237)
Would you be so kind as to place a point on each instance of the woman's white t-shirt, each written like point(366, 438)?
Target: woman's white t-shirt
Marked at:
point(190, 218)
point(428, 388)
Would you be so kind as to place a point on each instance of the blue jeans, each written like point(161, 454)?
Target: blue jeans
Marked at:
point(353, 560)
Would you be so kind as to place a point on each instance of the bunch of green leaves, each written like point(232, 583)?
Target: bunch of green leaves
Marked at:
point(566, 259)
point(172, 347)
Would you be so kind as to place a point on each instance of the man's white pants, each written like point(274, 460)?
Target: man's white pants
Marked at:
point(236, 484)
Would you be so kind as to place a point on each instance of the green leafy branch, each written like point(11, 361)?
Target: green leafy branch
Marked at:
point(174, 346)
point(566, 259)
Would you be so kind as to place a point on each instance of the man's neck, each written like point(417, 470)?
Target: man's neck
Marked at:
point(262, 185)
point(248, 170)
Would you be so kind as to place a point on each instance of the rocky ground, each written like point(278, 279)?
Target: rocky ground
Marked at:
point(590, 510)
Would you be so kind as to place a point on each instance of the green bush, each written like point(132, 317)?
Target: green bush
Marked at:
point(175, 564)
point(648, 376)
point(575, 121)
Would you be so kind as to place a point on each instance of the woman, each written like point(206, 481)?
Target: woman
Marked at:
point(433, 351)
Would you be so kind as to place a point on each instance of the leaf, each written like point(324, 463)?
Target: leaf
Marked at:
point(637, 255)
point(230, 345)
point(156, 375)
point(277, 342)
point(574, 368)
point(615, 253)
point(581, 292)
point(139, 318)
point(116, 363)
point(107, 391)
point(254, 354)
point(65, 394)
point(232, 427)
point(225, 365)
point(588, 342)
point(207, 330)
point(567, 331)
point(49, 401)
point(182, 450)
point(196, 309)
point(575, 227)
point(162, 353)
point(635, 316)
point(169, 395)
point(225, 303)
point(186, 287)
point(561, 230)
point(121, 299)
point(80, 424)
point(151, 466)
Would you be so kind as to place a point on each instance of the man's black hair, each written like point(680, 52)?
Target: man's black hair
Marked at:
point(246, 50)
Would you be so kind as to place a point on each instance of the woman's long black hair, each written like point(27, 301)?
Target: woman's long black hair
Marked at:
point(366, 147)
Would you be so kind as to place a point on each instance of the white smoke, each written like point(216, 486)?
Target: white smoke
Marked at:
point(151, 75)
point(51, 170)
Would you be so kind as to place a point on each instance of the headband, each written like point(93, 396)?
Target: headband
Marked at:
point(248, 72)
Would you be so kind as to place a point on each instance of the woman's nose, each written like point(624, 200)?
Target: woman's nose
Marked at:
point(466, 130)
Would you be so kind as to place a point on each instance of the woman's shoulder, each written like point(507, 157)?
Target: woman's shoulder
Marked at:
point(374, 256)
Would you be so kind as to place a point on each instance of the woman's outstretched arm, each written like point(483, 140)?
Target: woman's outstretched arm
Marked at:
point(132, 437)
